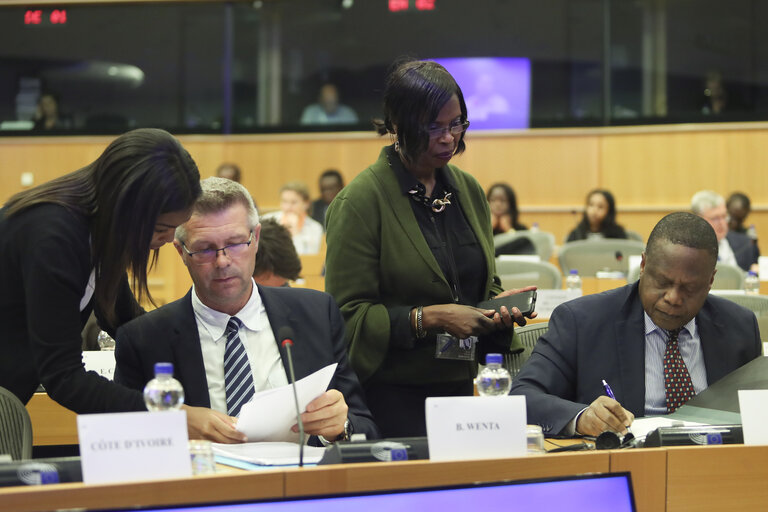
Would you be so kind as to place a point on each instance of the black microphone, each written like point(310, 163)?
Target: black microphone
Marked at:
point(610, 440)
point(619, 256)
point(285, 333)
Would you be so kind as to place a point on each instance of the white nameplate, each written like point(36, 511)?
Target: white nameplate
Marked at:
point(754, 415)
point(101, 362)
point(634, 263)
point(762, 270)
point(476, 427)
point(548, 300)
point(131, 446)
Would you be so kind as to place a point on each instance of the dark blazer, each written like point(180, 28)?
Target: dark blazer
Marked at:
point(45, 264)
point(602, 337)
point(170, 334)
point(744, 248)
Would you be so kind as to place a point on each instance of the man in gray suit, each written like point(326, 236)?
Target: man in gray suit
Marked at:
point(733, 248)
point(665, 327)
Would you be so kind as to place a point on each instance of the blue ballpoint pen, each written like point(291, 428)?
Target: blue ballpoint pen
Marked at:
point(608, 390)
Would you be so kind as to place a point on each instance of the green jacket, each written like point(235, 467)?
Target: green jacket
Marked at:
point(377, 259)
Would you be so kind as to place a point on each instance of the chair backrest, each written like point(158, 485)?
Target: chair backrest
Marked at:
point(543, 242)
point(528, 335)
point(15, 427)
point(728, 277)
point(592, 256)
point(758, 304)
point(517, 274)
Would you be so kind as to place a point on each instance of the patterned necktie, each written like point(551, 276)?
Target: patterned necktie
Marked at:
point(238, 380)
point(677, 380)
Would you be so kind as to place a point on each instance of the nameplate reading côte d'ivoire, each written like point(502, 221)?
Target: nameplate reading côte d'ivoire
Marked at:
point(131, 446)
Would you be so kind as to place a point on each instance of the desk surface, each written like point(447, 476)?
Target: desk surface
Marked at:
point(677, 479)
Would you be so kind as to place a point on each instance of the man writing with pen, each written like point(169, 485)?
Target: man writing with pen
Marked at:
point(653, 344)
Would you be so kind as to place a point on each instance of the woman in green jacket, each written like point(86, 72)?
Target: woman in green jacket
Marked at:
point(410, 252)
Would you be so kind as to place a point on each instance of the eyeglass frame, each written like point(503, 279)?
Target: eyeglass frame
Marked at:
point(436, 133)
point(216, 251)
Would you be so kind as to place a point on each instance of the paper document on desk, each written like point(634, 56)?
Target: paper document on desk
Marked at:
point(269, 454)
point(270, 414)
point(641, 427)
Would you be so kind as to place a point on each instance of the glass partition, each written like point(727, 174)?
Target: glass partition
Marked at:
point(319, 65)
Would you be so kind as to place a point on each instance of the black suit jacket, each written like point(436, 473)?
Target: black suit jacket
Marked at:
point(744, 248)
point(602, 336)
point(170, 334)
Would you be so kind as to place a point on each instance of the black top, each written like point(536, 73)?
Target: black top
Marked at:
point(581, 232)
point(448, 235)
point(45, 264)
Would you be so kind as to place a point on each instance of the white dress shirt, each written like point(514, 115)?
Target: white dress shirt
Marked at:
point(725, 253)
point(257, 337)
point(309, 239)
point(655, 346)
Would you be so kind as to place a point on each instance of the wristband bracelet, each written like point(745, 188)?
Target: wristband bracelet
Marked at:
point(420, 332)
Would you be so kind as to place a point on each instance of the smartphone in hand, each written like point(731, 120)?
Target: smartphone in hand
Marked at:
point(524, 301)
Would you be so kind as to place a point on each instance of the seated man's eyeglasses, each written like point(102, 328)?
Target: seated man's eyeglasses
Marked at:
point(210, 255)
point(455, 128)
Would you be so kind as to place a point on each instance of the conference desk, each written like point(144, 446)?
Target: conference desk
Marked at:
point(676, 479)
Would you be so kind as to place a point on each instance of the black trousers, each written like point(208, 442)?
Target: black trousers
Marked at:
point(399, 410)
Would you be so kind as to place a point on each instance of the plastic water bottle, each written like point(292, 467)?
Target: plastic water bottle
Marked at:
point(494, 380)
point(573, 281)
point(752, 283)
point(163, 393)
point(535, 227)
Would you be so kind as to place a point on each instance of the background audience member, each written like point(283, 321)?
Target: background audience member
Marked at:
point(599, 218)
point(331, 182)
point(410, 253)
point(229, 171)
point(66, 248)
point(734, 248)
point(503, 204)
point(276, 260)
point(47, 116)
point(739, 207)
point(665, 325)
point(328, 110)
point(307, 233)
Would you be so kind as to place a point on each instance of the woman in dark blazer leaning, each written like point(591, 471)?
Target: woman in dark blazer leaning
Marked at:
point(409, 254)
point(65, 247)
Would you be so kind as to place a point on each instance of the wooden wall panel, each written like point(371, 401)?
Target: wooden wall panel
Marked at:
point(651, 170)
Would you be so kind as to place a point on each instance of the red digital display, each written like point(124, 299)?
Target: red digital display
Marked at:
point(425, 5)
point(40, 17)
point(398, 5)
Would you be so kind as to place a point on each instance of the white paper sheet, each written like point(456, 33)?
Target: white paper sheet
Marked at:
point(270, 414)
point(269, 454)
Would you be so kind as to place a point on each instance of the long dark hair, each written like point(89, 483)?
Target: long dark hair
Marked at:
point(142, 174)
point(608, 226)
point(512, 211)
point(415, 92)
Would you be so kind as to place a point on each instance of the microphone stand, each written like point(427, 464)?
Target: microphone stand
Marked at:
point(287, 343)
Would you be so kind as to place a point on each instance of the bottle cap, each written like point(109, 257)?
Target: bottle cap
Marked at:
point(163, 368)
point(752, 273)
point(574, 272)
point(493, 358)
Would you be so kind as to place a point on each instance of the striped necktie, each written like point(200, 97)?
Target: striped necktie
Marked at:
point(677, 381)
point(238, 380)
